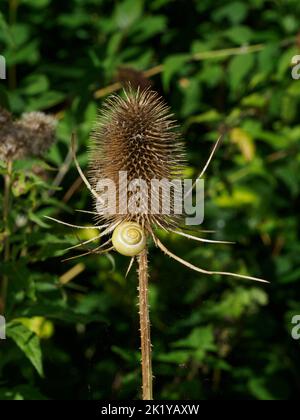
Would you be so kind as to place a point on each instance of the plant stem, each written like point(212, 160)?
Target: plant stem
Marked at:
point(6, 210)
point(201, 56)
point(146, 350)
point(12, 71)
point(62, 171)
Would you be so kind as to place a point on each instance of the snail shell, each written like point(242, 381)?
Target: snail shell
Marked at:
point(129, 239)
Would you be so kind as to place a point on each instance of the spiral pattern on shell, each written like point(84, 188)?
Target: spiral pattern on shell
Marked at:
point(129, 239)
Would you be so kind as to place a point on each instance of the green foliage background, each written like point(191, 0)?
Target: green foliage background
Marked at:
point(213, 337)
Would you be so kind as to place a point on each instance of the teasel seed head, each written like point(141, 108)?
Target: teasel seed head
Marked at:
point(136, 134)
point(31, 135)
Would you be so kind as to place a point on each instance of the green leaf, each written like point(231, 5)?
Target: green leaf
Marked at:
point(113, 45)
point(127, 355)
point(239, 301)
point(177, 357)
point(192, 97)
point(235, 12)
point(27, 54)
point(6, 31)
point(207, 117)
point(268, 58)
point(36, 219)
point(172, 65)
point(28, 342)
point(47, 100)
point(239, 68)
point(239, 34)
point(21, 393)
point(254, 100)
point(20, 33)
point(149, 26)
point(127, 12)
point(66, 315)
point(284, 63)
point(200, 338)
point(239, 196)
point(38, 4)
point(258, 388)
point(36, 84)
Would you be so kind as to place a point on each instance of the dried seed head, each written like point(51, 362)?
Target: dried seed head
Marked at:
point(39, 129)
point(137, 135)
point(12, 145)
point(136, 78)
point(31, 135)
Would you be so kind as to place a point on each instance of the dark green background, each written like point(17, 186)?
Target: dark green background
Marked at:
point(214, 337)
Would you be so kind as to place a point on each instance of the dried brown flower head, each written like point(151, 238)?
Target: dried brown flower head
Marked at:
point(136, 78)
point(31, 135)
point(137, 134)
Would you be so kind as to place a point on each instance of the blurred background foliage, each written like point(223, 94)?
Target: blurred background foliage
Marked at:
point(224, 67)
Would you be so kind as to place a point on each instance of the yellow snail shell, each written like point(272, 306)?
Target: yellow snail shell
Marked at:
point(129, 239)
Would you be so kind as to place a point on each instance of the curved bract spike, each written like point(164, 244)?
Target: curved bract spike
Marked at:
point(71, 225)
point(195, 238)
point(88, 212)
point(201, 270)
point(76, 256)
point(205, 166)
point(87, 242)
point(105, 251)
point(111, 260)
point(129, 266)
point(81, 244)
point(83, 177)
point(88, 253)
